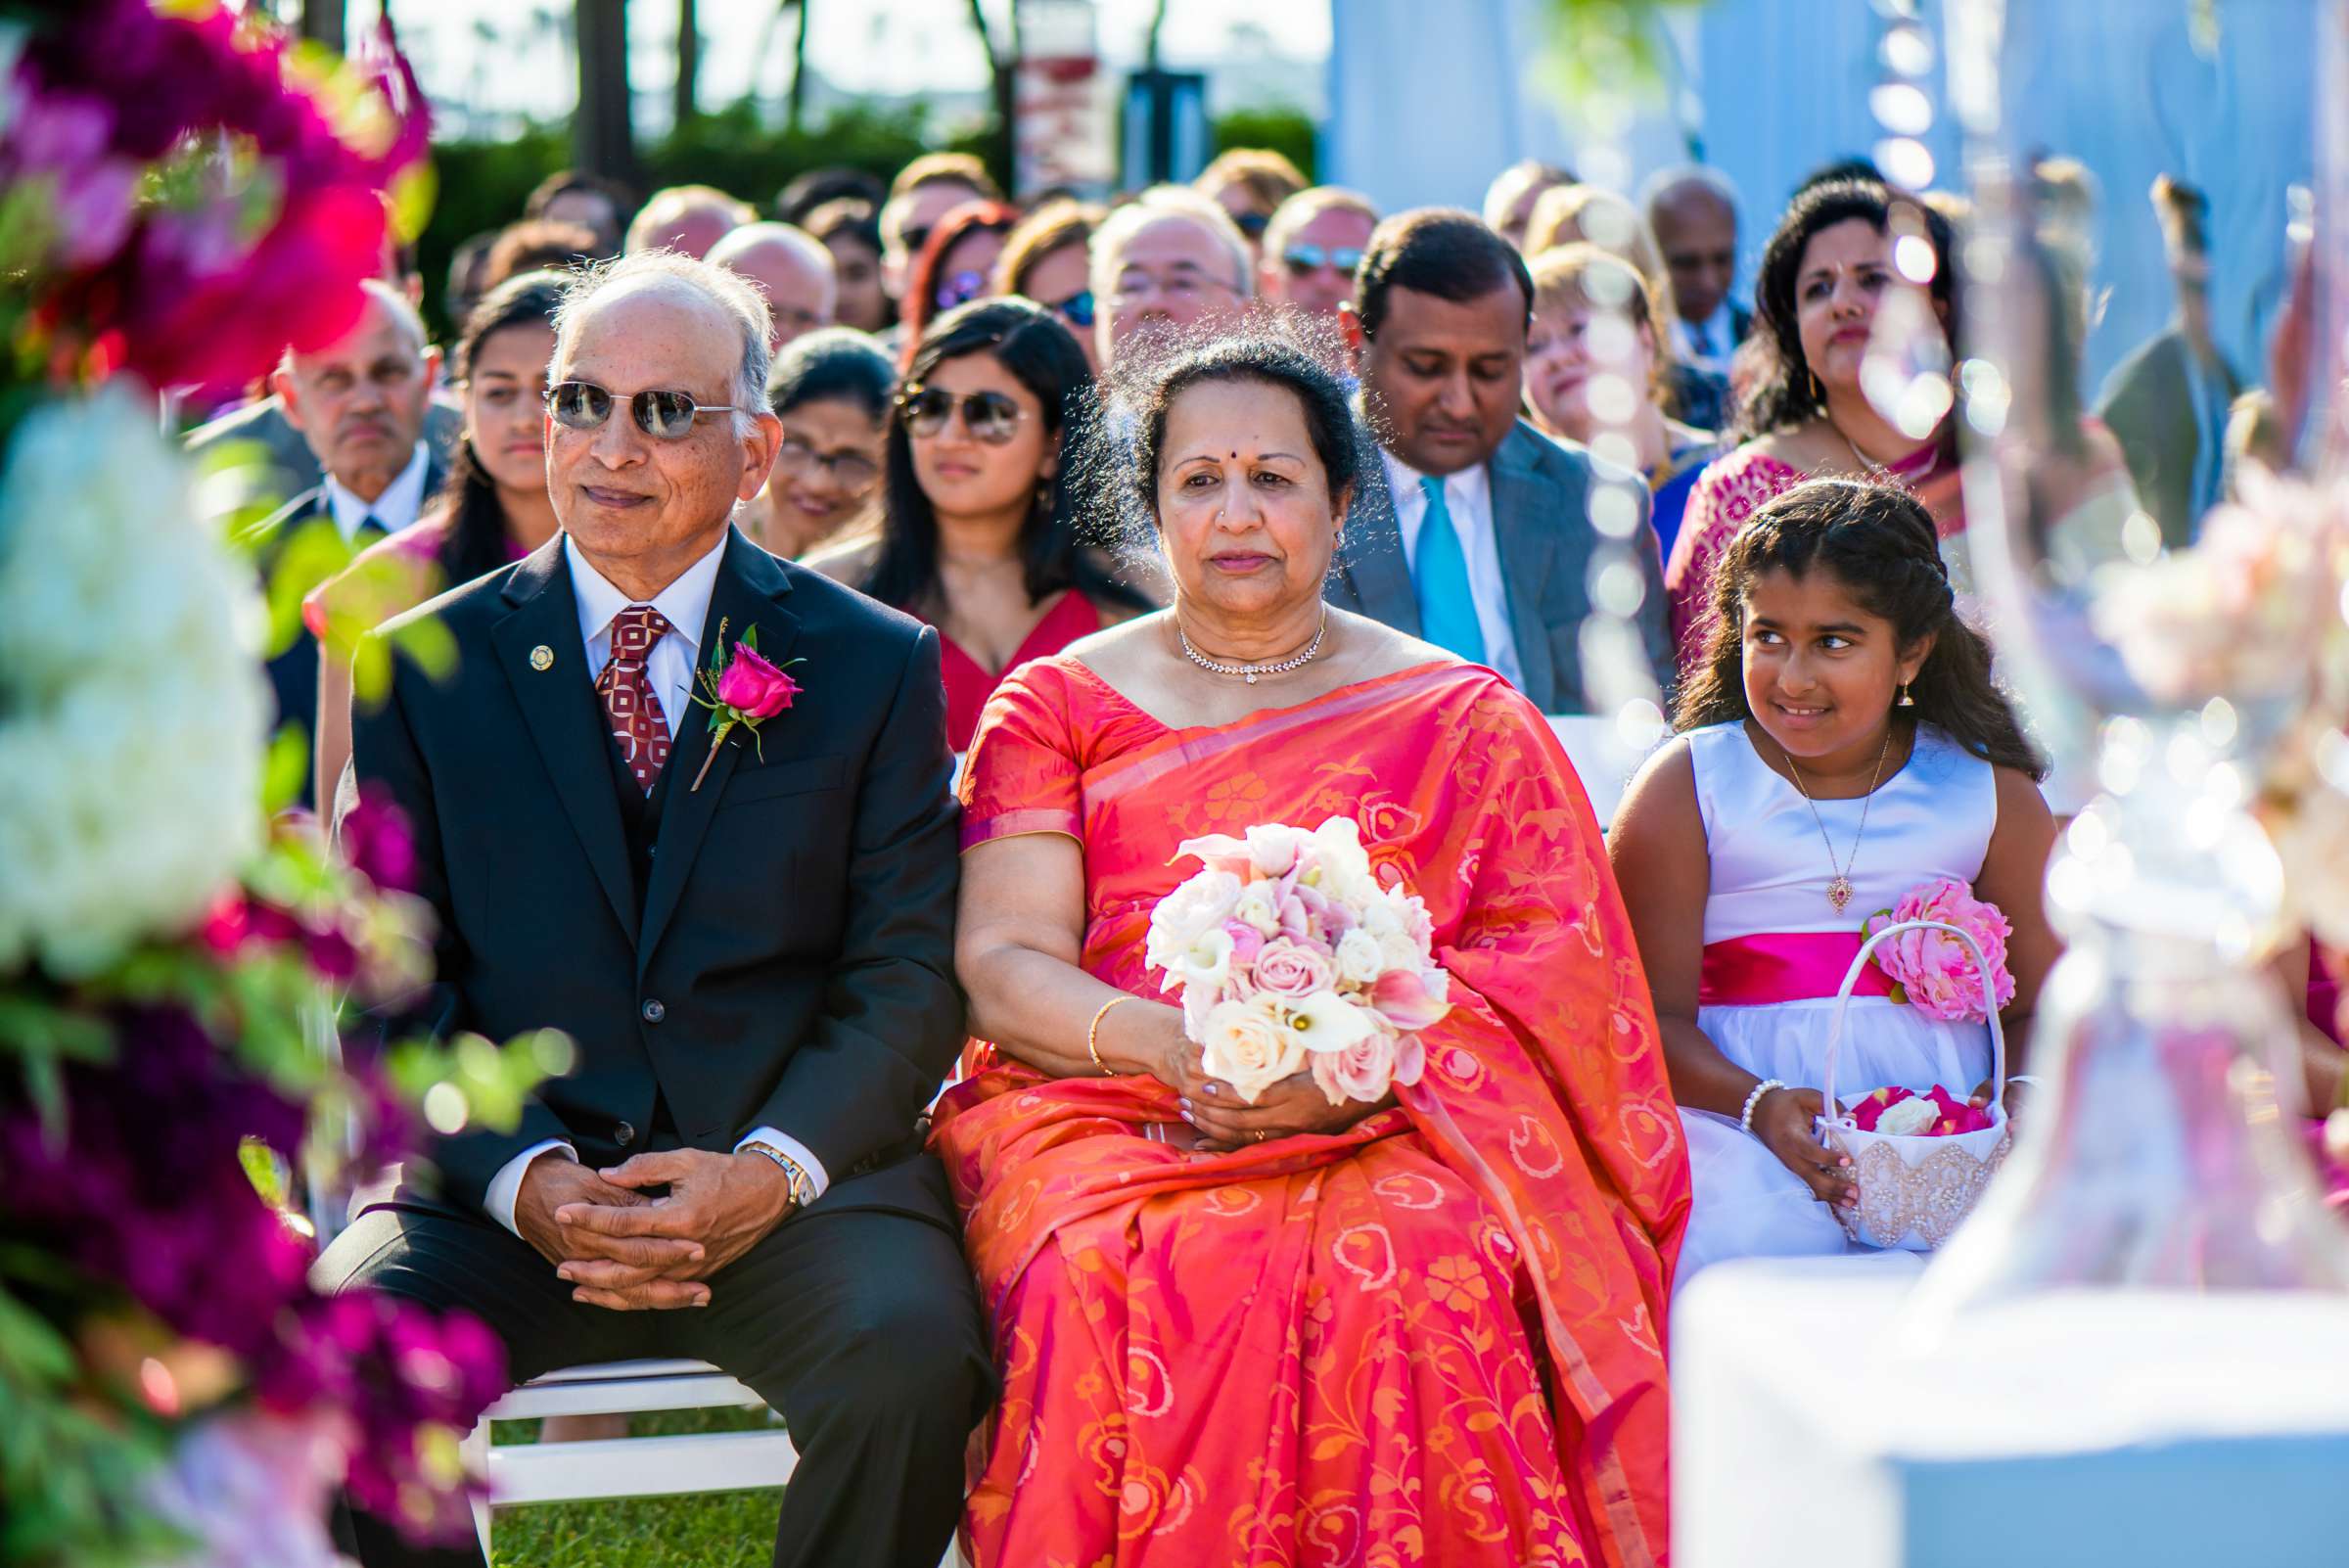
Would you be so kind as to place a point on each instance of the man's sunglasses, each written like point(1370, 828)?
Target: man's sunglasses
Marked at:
point(989, 416)
point(1304, 259)
point(1076, 309)
point(664, 415)
point(1252, 224)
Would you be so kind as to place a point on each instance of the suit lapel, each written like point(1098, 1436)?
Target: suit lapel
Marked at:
point(1374, 564)
point(556, 693)
point(1526, 526)
point(751, 590)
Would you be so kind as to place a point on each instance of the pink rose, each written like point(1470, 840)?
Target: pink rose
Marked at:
point(1362, 1070)
point(1933, 967)
point(1246, 942)
point(1287, 967)
point(753, 685)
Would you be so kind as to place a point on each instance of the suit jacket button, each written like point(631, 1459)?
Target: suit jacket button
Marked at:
point(623, 1134)
point(654, 1012)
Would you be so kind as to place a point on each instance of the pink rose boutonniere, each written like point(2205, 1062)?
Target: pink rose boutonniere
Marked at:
point(743, 688)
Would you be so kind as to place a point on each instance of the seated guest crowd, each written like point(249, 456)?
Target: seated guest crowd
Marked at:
point(864, 620)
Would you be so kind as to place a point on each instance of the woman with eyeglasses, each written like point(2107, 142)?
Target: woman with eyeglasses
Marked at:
point(1250, 183)
point(491, 510)
point(980, 505)
point(831, 389)
point(957, 263)
point(1047, 260)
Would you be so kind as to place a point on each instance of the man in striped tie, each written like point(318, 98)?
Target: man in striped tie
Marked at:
point(1480, 541)
point(747, 938)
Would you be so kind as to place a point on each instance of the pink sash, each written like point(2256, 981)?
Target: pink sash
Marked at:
point(1784, 966)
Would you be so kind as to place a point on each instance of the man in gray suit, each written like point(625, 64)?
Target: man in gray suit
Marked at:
point(1481, 542)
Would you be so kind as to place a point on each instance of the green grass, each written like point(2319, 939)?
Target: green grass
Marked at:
point(710, 1530)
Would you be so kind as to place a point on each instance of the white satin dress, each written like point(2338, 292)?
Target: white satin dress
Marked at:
point(1770, 876)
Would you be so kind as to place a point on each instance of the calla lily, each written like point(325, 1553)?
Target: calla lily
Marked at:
point(1404, 998)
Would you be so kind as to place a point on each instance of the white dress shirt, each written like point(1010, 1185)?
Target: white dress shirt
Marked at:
point(395, 509)
point(1710, 343)
point(1469, 498)
point(685, 605)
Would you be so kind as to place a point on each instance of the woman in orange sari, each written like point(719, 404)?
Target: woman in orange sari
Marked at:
point(1423, 1331)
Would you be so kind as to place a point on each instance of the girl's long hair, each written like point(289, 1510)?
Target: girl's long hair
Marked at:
point(1029, 343)
point(1878, 541)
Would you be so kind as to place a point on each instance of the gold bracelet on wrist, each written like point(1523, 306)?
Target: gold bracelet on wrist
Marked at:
point(1092, 1033)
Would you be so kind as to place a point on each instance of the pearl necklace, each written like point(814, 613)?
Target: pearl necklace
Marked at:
point(1251, 672)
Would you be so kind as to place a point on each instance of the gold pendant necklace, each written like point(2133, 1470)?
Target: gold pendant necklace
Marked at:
point(1839, 888)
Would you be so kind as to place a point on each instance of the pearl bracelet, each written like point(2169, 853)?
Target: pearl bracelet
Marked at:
point(1745, 1118)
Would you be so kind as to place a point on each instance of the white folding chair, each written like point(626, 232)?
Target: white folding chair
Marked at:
point(602, 1468)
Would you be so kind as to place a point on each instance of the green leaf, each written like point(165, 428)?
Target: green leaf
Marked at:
point(286, 767)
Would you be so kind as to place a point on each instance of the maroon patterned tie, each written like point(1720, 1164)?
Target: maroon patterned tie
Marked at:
point(638, 722)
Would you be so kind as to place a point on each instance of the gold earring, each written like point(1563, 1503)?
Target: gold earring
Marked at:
point(1905, 701)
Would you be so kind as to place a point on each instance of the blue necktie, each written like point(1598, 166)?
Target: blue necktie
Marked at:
point(1447, 604)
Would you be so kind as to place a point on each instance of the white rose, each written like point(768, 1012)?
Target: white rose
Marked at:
point(1326, 1021)
point(1359, 959)
point(1259, 908)
point(1199, 905)
point(1908, 1117)
point(1244, 1045)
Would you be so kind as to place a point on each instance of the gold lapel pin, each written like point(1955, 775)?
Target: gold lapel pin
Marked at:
point(543, 657)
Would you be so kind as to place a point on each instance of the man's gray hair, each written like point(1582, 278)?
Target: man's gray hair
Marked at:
point(1667, 183)
point(721, 286)
point(1169, 201)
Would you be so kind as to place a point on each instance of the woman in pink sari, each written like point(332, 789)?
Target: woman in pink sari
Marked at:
point(1423, 1331)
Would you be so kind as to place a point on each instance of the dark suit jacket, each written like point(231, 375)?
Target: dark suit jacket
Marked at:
point(790, 964)
point(1541, 489)
point(293, 668)
point(2151, 409)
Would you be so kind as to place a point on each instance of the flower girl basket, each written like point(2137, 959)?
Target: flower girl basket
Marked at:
point(1914, 1189)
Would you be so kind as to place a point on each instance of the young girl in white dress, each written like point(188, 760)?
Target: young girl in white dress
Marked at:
point(1841, 744)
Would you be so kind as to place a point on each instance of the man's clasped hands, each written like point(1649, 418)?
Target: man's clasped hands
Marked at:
point(624, 1248)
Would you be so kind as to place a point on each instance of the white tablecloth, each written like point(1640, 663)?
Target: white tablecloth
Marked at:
point(2130, 1429)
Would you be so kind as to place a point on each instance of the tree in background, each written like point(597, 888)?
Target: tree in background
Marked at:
point(1002, 72)
point(603, 129)
point(689, 63)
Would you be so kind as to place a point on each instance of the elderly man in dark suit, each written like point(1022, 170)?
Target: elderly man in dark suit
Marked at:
point(1482, 541)
point(748, 935)
point(360, 403)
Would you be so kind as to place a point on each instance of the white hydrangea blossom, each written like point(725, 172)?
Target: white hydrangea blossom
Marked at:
point(133, 713)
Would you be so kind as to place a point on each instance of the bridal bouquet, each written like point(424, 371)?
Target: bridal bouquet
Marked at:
point(1292, 958)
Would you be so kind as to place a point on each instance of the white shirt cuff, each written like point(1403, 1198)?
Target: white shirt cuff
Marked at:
point(798, 1151)
point(505, 1188)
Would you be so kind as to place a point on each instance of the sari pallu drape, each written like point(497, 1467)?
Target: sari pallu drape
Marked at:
point(1450, 1318)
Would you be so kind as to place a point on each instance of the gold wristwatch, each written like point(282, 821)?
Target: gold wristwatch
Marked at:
point(801, 1184)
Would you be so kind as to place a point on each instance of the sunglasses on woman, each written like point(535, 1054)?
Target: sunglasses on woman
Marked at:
point(1076, 309)
point(960, 288)
point(664, 415)
point(989, 416)
point(1304, 259)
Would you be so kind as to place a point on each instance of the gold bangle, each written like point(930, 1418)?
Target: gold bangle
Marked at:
point(1092, 1033)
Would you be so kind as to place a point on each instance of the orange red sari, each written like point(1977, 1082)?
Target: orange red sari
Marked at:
point(1435, 1338)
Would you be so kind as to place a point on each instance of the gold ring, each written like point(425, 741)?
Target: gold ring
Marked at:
point(1260, 1134)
